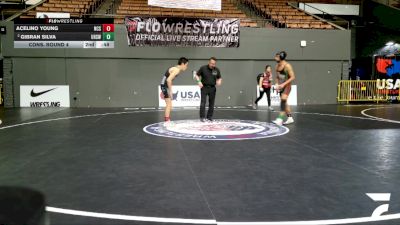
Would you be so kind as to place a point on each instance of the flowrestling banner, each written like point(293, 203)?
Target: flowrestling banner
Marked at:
point(182, 32)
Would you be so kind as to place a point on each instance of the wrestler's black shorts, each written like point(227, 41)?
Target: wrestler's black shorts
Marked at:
point(164, 90)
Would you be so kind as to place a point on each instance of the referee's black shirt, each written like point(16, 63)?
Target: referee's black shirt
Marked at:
point(209, 76)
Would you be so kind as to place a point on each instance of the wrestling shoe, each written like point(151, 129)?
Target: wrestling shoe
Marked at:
point(289, 121)
point(278, 121)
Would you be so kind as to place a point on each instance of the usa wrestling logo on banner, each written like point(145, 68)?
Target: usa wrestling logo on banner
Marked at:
point(182, 32)
point(387, 70)
point(182, 95)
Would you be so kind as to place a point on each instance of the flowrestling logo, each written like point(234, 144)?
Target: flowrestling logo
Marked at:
point(216, 130)
point(183, 32)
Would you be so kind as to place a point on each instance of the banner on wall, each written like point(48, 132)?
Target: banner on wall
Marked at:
point(185, 4)
point(183, 95)
point(387, 70)
point(275, 98)
point(52, 15)
point(44, 96)
point(182, 32)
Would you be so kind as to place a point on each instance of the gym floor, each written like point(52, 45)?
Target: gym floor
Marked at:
point(98, 166)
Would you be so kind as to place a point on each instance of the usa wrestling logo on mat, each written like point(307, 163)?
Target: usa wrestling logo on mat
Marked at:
point(216, 130)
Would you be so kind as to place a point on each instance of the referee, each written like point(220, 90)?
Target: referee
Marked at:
point(207, 78)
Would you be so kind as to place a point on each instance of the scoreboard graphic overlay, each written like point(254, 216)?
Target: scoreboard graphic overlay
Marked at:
point(64, 33)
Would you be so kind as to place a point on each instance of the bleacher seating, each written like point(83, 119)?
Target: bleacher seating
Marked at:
point(284, 15)
point(11, 7)
point(13, 1)
point(141, 8)
point(279, 12)
point(76, 8)
point(395, 4)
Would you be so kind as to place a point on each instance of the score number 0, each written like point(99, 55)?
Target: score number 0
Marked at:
point(108, 32)
point(108, 27)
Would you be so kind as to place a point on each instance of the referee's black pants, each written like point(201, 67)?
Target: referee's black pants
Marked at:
point(210, 92)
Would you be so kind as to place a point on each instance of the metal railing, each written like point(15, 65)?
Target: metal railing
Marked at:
point(391, 3)
point(364, 91)
point(340, 24)
point(25, 11)
point(92, 9)
point(112, 8)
